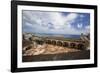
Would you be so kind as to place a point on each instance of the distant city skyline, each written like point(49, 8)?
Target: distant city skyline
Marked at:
point(55, 22)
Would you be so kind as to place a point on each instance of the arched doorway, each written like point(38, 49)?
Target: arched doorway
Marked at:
point(59, 43)
point(65, 44)
point(54, 42)
point(81, 46)
point(72, 45)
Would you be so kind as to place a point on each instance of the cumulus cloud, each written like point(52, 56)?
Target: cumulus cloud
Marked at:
point(50, 22)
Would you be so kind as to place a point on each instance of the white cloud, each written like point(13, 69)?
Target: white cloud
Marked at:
point(87, 27)
point(40, 22)
point(28, 24)
point(79, 25)
point(81, 15)
point(71, 17)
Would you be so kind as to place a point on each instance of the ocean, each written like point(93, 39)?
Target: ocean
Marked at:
point(59, 35)
point(72, 36)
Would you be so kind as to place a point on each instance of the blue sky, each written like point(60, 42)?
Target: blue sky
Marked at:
point(55, 22)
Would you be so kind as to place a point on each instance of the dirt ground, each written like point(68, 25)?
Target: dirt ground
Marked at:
point(48, 49)
point(47, 52)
